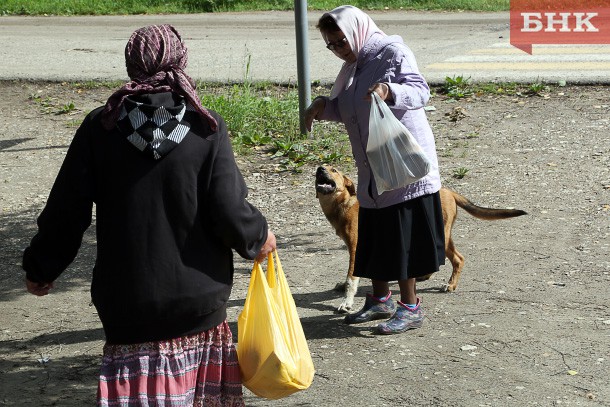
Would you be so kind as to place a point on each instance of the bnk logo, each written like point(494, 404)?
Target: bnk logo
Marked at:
point(559, 22)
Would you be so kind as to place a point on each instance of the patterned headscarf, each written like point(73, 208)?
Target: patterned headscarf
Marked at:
point(358, 28)
point(155, 57)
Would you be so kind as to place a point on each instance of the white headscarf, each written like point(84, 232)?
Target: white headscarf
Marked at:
point(358, 28)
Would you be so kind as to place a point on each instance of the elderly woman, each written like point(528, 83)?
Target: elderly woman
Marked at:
point(170, 207)
point(400, 232)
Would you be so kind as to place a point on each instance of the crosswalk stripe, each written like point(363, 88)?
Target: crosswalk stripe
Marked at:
point(522, 66)
point(538, 50)
point(530, 58)
point(503, 56)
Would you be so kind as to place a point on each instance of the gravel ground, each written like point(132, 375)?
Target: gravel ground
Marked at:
point(528, 325)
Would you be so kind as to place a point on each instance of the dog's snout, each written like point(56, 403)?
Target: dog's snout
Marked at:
point(321, 173)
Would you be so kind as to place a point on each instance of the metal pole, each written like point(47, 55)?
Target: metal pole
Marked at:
point(304, 82)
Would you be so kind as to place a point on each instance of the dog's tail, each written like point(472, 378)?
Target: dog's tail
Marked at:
point(484, 213)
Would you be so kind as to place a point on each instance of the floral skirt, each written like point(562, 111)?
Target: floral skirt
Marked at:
point(195, 370)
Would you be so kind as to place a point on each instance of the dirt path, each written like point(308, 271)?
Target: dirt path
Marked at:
point(529, 324)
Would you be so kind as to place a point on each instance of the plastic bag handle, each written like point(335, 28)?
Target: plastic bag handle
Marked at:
point(378, 101)
point(271, 274)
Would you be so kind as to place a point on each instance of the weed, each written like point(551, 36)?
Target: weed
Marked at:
point(49, 104)
point(294, 155)
point(66, 108)
point(460, 173)
point(536, 89)
point(282, 148)
point(73, 123)
point(506, 88)
point(331, 158)
point(252, 139)
point(457, 87)
point(45, 102)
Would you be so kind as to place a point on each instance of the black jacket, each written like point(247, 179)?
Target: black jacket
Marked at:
point(165, 227)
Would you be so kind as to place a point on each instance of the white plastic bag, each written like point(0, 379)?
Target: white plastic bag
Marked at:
point(396, 158)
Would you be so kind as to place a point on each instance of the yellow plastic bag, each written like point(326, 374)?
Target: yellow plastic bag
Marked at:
point(273, 355)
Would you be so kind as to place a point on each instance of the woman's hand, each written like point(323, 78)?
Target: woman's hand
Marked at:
point(383, 90)
point(269, 246)
point(38, 289)
point(313, 111)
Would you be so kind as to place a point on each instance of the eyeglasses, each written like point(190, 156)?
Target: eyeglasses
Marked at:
point(337, 45)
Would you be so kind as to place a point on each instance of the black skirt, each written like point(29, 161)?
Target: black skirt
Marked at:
point(401, 241)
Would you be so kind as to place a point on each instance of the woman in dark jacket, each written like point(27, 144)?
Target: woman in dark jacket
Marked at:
point(170, 208)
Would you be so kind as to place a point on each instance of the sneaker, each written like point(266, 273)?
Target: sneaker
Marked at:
point(373, 309)
point(403, 319)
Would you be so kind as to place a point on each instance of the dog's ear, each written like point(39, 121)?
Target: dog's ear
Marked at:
point(349, 185)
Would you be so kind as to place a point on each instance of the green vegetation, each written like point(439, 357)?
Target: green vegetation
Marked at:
point(536, 89)
point(457, 87)
point(265, 117)
point(66, 108)
point(51, 105)
point(124, 7)
point(460, 173)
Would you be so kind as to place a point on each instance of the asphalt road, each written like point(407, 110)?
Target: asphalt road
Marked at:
point(226, 47)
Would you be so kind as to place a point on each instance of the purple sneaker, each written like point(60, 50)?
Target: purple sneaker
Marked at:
point(403, 319)
point(373, 309)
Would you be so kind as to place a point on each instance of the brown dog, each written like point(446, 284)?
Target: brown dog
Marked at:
point(337, 196)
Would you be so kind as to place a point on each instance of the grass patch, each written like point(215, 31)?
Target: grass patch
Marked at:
point(127, 7)
point(265, 117)
point(458, 87)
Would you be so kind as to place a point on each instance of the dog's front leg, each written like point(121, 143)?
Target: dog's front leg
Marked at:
point(351, 282)
point(351, 287)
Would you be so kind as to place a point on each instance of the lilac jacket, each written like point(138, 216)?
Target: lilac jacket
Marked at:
point(386, 59)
